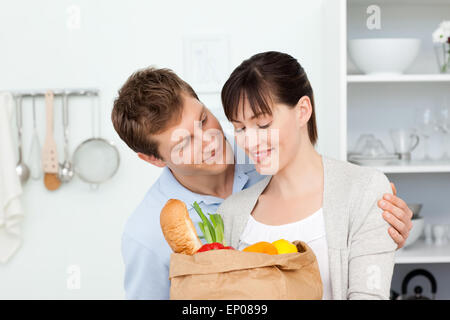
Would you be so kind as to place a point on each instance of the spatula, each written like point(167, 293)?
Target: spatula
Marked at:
point(49, 152)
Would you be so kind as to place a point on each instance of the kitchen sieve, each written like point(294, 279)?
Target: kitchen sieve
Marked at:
point(96, 160)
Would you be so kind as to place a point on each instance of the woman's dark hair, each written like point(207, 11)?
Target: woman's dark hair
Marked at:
point(268, 77)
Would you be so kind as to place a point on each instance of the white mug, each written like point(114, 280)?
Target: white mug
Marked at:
point(440, 233)
point(428, 234)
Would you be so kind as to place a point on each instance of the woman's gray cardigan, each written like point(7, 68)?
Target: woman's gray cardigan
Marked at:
point(360, 250)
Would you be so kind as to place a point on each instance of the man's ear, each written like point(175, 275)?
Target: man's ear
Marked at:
point(304, 109)
point(152, 160)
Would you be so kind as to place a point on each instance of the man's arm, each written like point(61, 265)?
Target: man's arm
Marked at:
point(146, 273)
point(398, 215)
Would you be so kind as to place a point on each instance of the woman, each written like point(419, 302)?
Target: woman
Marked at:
point(329, 204)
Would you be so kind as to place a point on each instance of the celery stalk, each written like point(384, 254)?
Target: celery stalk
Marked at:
point(213, 219)
point(219, 234)
point(209, 229)
point(202, 228)
point(220, 221)
point(209, 236)
point(222, 228)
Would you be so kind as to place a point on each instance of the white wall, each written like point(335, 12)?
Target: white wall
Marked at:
point(75, 225)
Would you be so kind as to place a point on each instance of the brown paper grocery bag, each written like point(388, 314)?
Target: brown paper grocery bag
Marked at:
point(238, 275)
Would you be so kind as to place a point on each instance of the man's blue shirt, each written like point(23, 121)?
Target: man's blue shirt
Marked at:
point(145, 252)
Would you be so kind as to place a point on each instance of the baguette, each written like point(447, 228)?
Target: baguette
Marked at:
point(178, 228)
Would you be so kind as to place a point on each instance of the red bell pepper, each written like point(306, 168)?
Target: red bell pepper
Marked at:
point(211, 246)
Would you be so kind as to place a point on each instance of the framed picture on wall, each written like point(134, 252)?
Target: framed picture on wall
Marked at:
point(206, 62)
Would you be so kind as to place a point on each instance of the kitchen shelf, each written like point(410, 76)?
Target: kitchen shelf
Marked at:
point(361, 78)
point(420, 252)
point(376, 104)
point(417, 166)
point(399, 2)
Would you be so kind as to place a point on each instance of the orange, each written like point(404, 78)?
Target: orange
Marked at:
point(262, 247)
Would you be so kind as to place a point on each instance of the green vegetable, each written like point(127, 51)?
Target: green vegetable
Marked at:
point(209, 229)
point(218, 226)
point(209, 236)
point(212, 230)
point(213, 220)
point(200, 224)
point(220, 221)
point(219, 234)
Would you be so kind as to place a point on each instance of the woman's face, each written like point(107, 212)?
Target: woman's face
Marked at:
point(271, 141)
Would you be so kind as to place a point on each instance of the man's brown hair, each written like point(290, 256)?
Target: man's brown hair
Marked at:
point(148, 103)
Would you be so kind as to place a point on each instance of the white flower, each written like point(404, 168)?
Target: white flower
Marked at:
point(438, 36)
point(445, 25)
point(441, 34)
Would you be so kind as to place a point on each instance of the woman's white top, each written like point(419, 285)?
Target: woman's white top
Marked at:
point(310, 230)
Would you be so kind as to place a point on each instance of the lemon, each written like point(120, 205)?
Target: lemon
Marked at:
point(284, 246)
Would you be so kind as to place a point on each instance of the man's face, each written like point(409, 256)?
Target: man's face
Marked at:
point(196, 145)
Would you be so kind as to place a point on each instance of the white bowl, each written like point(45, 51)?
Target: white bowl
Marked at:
point(416, 231)
point(383, 56)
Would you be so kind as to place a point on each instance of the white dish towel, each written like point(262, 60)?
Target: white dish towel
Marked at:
point(11, 213)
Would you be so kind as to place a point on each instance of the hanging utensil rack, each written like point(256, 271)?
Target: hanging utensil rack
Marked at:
point(57, 92)
point(64, 93)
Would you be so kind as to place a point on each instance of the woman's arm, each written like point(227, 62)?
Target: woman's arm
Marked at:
point(372, 250)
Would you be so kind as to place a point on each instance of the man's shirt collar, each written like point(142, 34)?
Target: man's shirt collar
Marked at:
point(169, 185)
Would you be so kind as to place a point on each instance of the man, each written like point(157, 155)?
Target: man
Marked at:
point(160, 117)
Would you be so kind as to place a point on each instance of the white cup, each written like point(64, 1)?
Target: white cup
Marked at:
point(440, 233)
point(428, 231)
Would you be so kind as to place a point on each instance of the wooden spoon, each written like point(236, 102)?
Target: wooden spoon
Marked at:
point(49, 152)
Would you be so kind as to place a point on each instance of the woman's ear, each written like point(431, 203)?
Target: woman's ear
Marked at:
point(152, 160)
point(304, 110)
